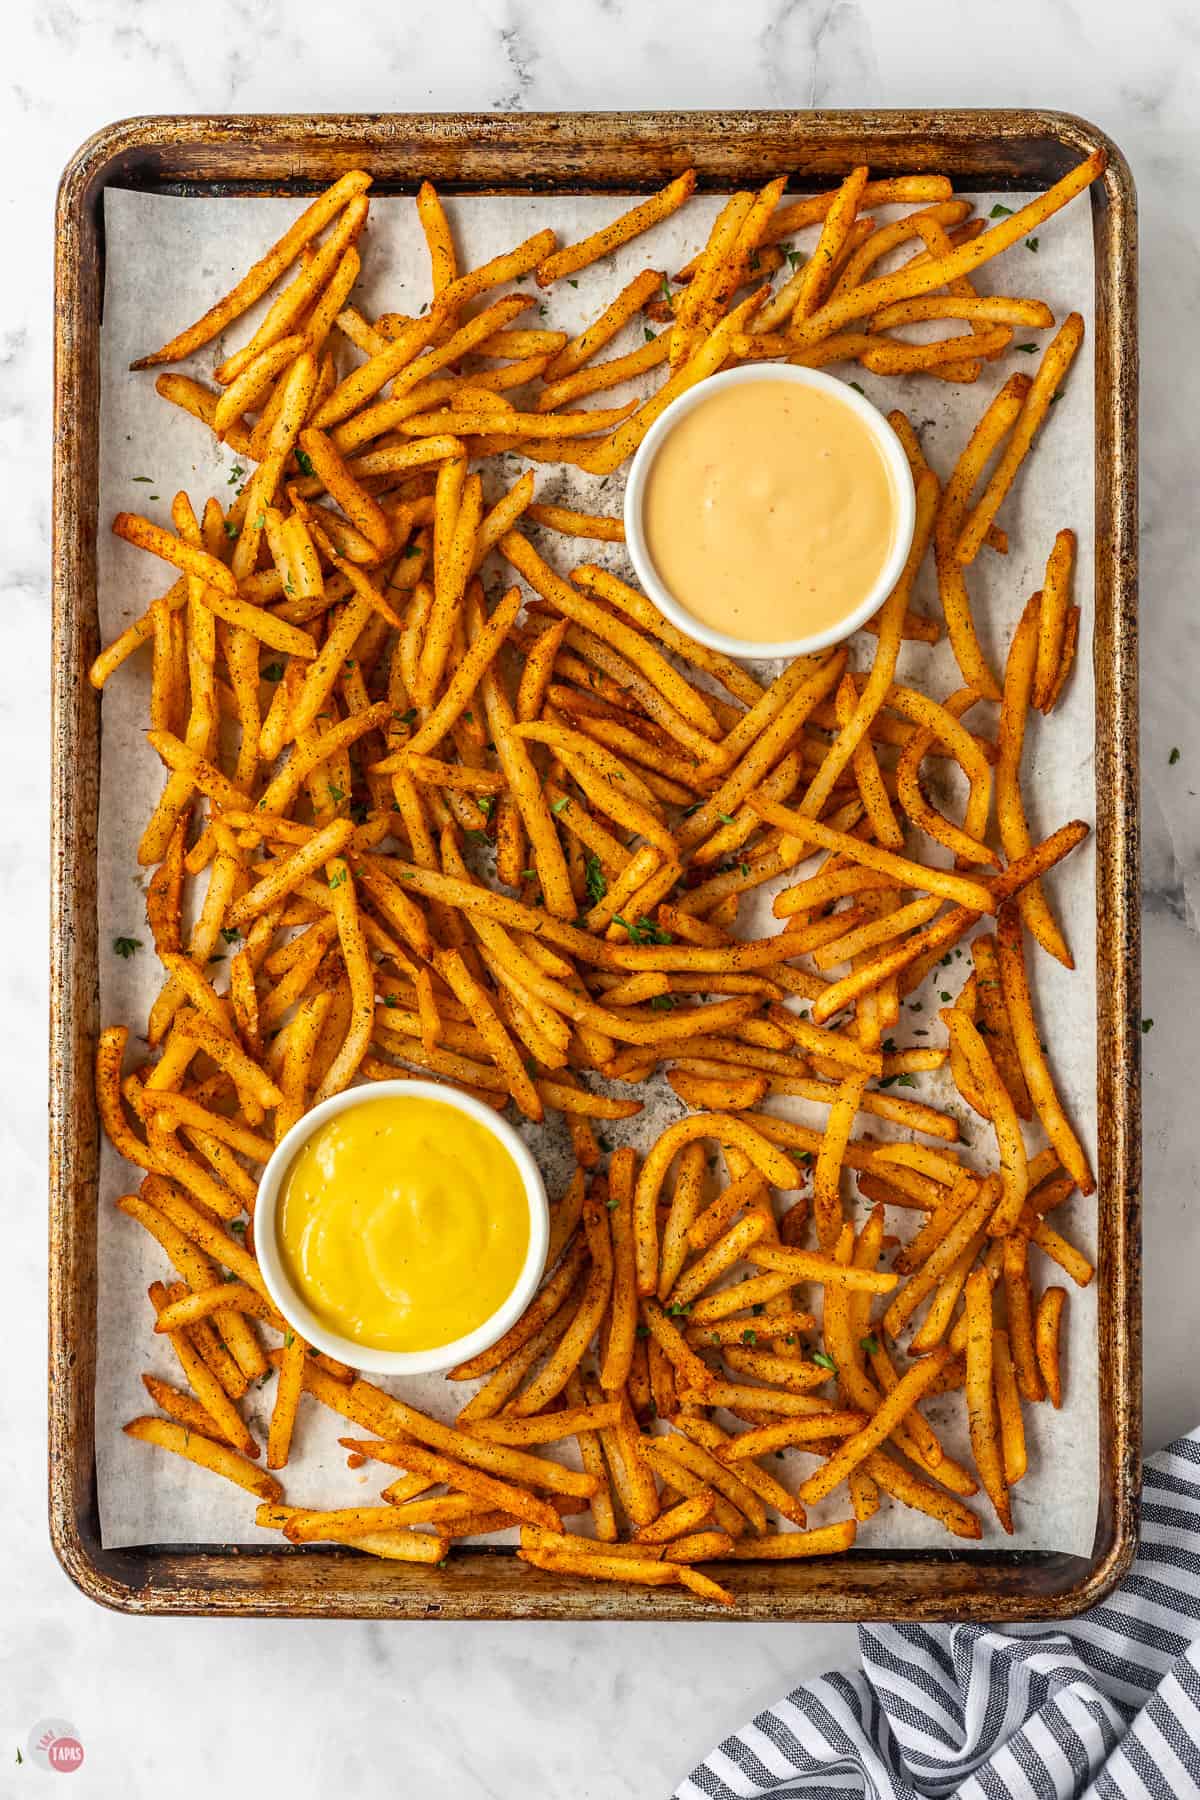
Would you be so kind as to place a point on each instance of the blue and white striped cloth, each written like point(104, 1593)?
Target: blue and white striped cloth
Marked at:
point(1108, 1705)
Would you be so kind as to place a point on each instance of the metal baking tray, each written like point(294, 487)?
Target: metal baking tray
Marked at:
point(580, 153)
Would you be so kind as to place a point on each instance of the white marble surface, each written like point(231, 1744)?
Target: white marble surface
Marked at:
point(598, 1712)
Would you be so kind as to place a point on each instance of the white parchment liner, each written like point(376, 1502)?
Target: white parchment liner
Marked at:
point(166, 260)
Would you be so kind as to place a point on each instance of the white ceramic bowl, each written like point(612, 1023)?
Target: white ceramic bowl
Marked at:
point(348, 1350)
point(902, 483)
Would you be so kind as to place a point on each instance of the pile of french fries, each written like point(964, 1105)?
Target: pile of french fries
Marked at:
point(504, 844)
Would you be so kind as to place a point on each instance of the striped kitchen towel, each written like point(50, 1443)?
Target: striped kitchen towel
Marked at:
point(1108, 1705)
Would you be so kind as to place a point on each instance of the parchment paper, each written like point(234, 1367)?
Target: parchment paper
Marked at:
point(167, 259)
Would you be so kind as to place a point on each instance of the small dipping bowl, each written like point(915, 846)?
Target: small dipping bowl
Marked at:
point(295, 1308)
point(673, 605)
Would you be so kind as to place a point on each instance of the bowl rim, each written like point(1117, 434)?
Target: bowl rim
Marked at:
point(902, 482)
point(348, 1350)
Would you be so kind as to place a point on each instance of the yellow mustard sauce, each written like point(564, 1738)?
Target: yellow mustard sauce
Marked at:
point(403, 1223)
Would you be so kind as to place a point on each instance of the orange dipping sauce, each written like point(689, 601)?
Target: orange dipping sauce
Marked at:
point(770, 511)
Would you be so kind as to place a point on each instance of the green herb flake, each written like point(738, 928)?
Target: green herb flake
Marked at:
point(572, 283)
point(725, 818)
point(336, 796)
point(289, 1340)
point(486, 804)
point(825, 1361)
point(560, 805)
point(305, 461)
point(758, 1308)
point(1174, 756)
point(390, 1000)
point(749, 1336)
point(272, 672)
point(1000, 212)
point(945, 998)
point(337, 878)
point(870, 1345)
point(679, 1312)
point(126, 947)
point(1147, 1025)
point(643, 1331)
point(858, 389)
point(1026, 349)
point(231, 529)
point(662, 1002)
point(1031, 244)
point(238, 1227)
point(647, 334)
point(906, 1081)
point(594, 880)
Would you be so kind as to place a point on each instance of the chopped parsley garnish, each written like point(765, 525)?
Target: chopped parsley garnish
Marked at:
point(594, 880)
point(126, 946)
point(1174, 757)
point(337, 878)
point(823, 1358)
point(1147, 1025)
point(749, 1336)
point(1000, 212)
point(858, 389)
point(231, 529)
point(230, 933)
point(1031, 244)
point(1029, 349)
point(644, 931)
point(235, 474)
point(560, 805)
point(662, 1002)
point(870, 1345)
point(679, 1312)
point(272, 672)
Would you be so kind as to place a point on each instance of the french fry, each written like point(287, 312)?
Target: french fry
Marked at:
point(981, 1397)
point(1060, 353)
point(823, 1540)
point(206, 1453)
point(573, 257)
point(1046, 1330)
point(1008, 1407)
point(1019, 1005)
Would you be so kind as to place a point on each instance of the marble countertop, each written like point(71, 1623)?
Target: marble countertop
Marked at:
point(601, 1711)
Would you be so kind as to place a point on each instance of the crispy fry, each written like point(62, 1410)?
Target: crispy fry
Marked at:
point(207, 1453)
point(1046, 1330)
